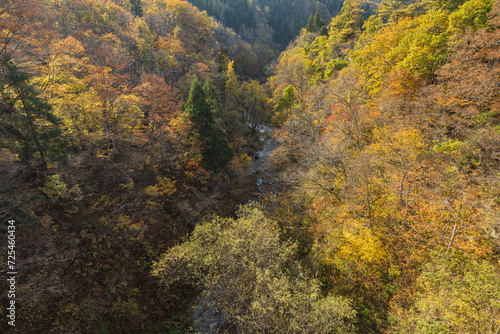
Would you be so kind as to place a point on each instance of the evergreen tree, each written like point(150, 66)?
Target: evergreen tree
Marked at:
point(196, 106)
point(236, 14)
point(315, 23)
point(223, 60)
point(311, 27)
point(136, 7)
point(323, 31)
point(212, 98)
point(318, 22)
point(216, 151)
point(28, 128)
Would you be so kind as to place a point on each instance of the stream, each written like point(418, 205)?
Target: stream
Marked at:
point(265, 183)
point(206, 319)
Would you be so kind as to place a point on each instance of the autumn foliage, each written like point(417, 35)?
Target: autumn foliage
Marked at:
point(133, 156)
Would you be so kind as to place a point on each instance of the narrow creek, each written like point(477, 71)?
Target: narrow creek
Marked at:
point(265, 183)
point(205, 316)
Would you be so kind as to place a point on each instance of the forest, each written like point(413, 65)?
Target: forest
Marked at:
point(250, 166)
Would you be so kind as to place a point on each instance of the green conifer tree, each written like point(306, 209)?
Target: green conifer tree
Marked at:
point(323, 31)
point(136, 7)
point(212, 98)
point(216, 152)
point(29, 128)
point(315, 23)
point(311, 27)
point(318, 22)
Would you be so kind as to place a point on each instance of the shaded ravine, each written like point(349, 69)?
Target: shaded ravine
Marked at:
point(206, 319)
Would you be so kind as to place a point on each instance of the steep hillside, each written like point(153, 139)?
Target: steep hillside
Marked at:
point(118, 133)
point(389, 133)
point(284, 18)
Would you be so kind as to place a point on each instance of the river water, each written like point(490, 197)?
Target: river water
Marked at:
point(265, 183)
point(206, 319)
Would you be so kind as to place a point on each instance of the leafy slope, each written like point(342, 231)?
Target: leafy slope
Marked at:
point(388, 137)
point(102, 167)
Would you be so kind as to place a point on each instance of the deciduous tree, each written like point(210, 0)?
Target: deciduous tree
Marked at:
point(250, 279)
